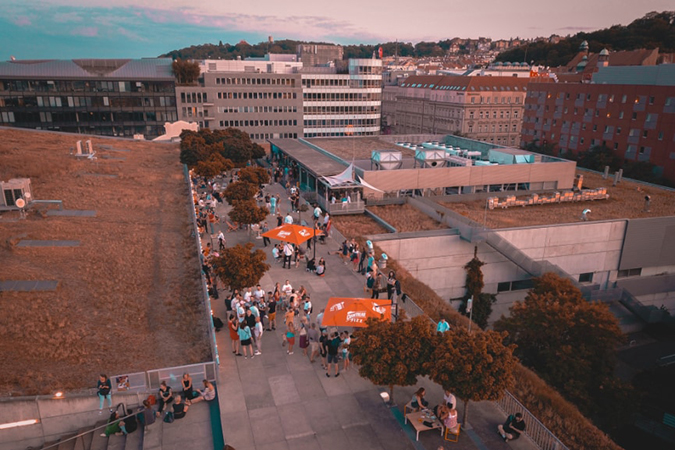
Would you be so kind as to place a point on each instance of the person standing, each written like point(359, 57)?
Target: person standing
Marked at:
point(313, 336)
point(288, 253)
point(272, 312)
point(233, 326)
point(258, 332)
point(245, 338)
point(377, 285)
point(290, 336)
point(265, 229)
point(288, 219)
point(104, 387)
point(333, 350)
point(449, 399)
point(273, 205)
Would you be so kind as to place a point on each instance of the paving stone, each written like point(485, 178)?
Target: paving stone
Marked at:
point(266, 426)
point(284, 390)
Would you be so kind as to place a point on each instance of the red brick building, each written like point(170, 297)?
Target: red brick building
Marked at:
point(629, 109)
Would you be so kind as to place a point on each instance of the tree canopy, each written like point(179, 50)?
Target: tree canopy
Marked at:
point(482, 303)
point(240, 266)
point(231, 143)
point(213, 165)
point(474, 366)
point(393, 354)
point(186, 72)
point(569, 341)
point(247, 212)
point(254, 175)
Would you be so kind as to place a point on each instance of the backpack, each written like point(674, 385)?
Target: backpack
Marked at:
point(168, 418)
point(370, 282)
point(130, 423)
point(152, 399)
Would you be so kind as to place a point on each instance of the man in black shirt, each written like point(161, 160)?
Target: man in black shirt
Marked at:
point(333, 350)
point(512, 428)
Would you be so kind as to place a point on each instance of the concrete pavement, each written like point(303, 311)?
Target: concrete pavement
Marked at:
point(280, 401)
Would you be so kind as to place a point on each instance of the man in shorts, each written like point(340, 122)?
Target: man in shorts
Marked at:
point(512, 428)
point(333, 350)
point(271, 312)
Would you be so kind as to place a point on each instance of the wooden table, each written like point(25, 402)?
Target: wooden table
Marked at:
point(417, 418)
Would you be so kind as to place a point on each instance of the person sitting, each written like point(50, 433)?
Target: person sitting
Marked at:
point(512, 428)
point(179, 408)
point(207, 394)
point(231, 227)
point(320, 269)
point(311, 265)
point(115, 426)
point(276, 253)
point(418, 401)
point(447, 416)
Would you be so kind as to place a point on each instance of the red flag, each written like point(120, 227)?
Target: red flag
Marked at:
point(380, 52)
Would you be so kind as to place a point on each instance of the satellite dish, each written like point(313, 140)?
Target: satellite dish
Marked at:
point(20, 203)
point(27, 196)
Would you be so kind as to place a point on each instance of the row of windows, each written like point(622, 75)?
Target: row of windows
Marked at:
point(257, 81)
point(86, 86)
point(495, 100)
point(76, 102)
point(259, 123)
point(345, 83)
point(342, 97)
point(564, 139)
point(85, 117)
point(341, 134)
point(256, 109)
point(328, 123)
point(486, 128)
point(602, 98)
point(309, 110)
point(258, 95)
point(502, 114)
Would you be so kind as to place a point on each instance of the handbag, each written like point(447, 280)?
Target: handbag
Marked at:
point(168, 418)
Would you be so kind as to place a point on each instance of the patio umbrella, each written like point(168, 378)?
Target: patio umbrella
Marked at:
point(295, 234)
point(353, 312)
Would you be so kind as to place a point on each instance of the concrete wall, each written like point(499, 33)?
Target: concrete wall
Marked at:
point(57, 417)
point(439, 261)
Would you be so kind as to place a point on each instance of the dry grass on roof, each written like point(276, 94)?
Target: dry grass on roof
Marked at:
point(128, 297)
point(626, 201)
point(355, 225)
point(349, 148)
point(406, 218)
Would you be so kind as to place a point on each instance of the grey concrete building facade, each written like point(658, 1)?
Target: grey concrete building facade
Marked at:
point(262, 97)
point(318, 54)
point(110, 97)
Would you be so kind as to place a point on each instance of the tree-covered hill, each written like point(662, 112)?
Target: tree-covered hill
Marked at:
point(651, 31)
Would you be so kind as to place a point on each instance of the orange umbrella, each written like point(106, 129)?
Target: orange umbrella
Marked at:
point(353, 312)
point(295, 234)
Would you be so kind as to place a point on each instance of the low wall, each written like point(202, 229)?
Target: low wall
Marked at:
point(57, 417)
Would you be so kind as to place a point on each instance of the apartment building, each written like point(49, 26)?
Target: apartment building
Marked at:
point(343, 101)
point(488, 109)
point(261, 96)
point(630, 110)
point(111, 97)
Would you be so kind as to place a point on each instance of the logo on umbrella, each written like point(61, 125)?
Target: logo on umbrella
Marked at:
point(283, 233)
point(356, 316)
point(378, 309)
point(337, 307)
point(303, 233)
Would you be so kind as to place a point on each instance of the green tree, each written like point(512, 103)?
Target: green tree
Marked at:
point(239, 191)
point(186, 72)
point(481, 308)
point(240, 266)
point(393, 354)
point(567, 340)
point(214, 165)
point(597, 157)
point(247, 212)
point(231, 143)
point(254, 175)
point(474, 366)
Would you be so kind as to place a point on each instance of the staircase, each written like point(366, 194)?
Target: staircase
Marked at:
point(194, 429)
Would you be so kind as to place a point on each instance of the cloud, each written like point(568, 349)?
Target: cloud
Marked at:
point(578, 28)
point(85, 31)
point(22, 21)
point(67, 17)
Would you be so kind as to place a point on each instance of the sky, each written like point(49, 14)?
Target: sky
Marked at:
point(65, 29)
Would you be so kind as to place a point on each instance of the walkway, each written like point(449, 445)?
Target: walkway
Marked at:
point(280, 401)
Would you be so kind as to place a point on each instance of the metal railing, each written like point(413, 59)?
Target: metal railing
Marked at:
point(340, 207)
point(173, 375)
point(536, 431)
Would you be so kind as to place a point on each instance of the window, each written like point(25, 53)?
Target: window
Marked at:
point(624, 98)
point(586, 277)
point(644, 133)
point(629, 273)
point(634, 116)
point(651, 100)
point(660, 135)
point(621, 115)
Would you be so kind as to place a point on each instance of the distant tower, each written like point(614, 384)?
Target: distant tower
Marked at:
point(584, 47)
point(603, 58)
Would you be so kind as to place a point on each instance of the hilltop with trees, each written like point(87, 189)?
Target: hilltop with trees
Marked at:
point(651, 31)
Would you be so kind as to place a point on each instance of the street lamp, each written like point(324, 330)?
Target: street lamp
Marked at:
point(469, 309)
